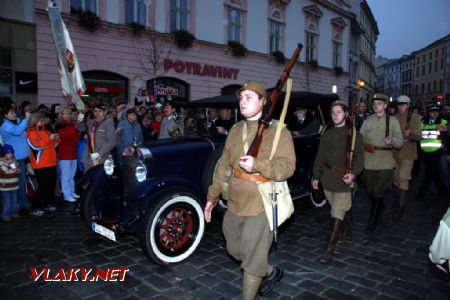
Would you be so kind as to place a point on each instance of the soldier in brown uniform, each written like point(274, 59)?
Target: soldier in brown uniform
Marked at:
point(245, 225)
point(382, 135)
point(329, 169)
point(410, 126)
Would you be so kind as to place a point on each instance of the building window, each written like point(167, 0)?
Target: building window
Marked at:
point(310, 47)
point(434, 86)
point(422, 88)
point(440, 85)
point(429, 87)
point(429, 68)
point(442, 64)
point(135, 11)
point(234, 25)
point(179, 15)
point(416, 88)
point(337, 54)
point(423, 70)
point(77, 5)
point(275, 36)
point(417, 72)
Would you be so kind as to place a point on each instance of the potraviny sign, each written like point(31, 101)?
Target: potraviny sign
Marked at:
point(206, 70)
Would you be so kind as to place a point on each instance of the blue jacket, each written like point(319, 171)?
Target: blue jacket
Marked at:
point(16, 135)
point(126, 133)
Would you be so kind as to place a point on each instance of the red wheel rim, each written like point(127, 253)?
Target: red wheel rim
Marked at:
point(176, 228)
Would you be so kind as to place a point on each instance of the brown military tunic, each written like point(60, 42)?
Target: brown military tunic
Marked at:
point(332, 153)
point(409, 149)
point(244, 198)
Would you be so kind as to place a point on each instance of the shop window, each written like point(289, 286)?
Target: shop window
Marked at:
point(135, 11)
point(163, 89)
point(106, 87)
point(77, 5)
point(6, 78)
point(179, 15)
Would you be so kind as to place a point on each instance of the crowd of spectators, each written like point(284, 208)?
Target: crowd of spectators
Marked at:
point(52, 146)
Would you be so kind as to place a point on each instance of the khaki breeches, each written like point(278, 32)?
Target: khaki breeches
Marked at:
point(340, 203)
point(402, 173)
point(248, 240)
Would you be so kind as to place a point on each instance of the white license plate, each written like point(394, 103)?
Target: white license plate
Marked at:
point(102, 230)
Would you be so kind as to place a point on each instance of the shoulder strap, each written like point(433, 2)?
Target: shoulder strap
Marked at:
point(386, 133)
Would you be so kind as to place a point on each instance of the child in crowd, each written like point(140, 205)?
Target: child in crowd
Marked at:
point(9, 183)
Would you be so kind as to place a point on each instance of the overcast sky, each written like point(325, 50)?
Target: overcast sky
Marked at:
point(409, 25)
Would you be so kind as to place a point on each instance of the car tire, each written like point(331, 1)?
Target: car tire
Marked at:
point(87, 205)
point(172, 228)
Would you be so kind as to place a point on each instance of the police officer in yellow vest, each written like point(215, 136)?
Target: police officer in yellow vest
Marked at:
point(431, 145)
point(405, 157)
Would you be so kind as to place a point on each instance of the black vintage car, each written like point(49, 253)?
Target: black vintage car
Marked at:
point(159, 190)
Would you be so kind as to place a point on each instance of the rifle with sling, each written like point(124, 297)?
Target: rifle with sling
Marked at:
point(265, 119)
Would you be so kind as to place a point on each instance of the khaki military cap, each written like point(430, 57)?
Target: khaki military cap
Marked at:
point(252, 86)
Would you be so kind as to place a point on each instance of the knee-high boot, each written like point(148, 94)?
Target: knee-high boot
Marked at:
point(372, 214)
point(401, 204)
point(347, 226)
point(378, 211)
point(333, 238)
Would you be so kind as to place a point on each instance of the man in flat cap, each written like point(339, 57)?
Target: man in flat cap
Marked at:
point(405, 157)
point(433, 128)
point(128, 131)
point(382, 134)
point(245, 224)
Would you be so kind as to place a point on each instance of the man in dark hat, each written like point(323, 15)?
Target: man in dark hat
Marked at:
point(128, 131)
point(303, 123)
point(433, 127)
point(245, 224)
point(382, 134)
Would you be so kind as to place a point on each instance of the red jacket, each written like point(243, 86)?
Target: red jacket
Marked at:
point(68, 139)
point(42, 148)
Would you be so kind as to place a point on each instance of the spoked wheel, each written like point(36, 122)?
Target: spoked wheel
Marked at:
point(173, 229)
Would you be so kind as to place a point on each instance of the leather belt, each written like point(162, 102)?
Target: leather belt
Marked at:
point(371, 148)
point(335, 169)
point(252, 177)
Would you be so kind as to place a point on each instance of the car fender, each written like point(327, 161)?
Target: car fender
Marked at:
point(144, 190)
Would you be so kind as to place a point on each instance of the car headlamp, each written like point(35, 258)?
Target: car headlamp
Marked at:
point(108, 166)
point(141, 172)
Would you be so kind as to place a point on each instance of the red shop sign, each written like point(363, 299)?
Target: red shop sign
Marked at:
point(105, 89)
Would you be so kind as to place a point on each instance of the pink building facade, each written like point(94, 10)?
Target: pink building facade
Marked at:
point(115, 64)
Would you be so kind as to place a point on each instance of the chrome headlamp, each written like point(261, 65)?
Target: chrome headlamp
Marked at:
point(140, 172)
point(108, 165)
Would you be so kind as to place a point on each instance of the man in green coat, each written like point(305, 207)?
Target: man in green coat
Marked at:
point(382, 135)
point(339, 160)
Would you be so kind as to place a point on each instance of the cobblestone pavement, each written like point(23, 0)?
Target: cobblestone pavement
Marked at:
point(391, 263)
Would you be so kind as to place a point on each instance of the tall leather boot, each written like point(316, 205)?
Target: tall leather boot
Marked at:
point(369, 227)
point(347, 232)
point(334, 236)
point(401, 204)
point(378, 211)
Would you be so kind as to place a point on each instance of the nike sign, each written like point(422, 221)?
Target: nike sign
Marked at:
point(21, 82)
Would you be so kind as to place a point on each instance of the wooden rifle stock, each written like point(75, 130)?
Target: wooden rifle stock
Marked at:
point(264, 120)
point(351, 135)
